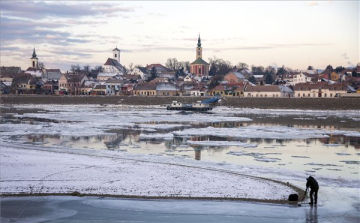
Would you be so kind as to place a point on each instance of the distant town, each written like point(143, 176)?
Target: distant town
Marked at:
point(199, 78)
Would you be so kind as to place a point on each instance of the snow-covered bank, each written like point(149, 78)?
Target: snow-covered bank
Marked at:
point(31, 171)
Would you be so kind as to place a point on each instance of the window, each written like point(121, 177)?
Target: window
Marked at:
point(331, 95)
point(303, 94)
point(325, 95)
point(298, 94)
point(309, 95)
point(115, 55)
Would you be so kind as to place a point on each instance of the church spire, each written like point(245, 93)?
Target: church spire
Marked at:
point(199, 41)
point(34, 54)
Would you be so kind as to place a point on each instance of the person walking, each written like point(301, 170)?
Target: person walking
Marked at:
point(314, 188)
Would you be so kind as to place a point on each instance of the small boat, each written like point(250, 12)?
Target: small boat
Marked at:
point(205, 105)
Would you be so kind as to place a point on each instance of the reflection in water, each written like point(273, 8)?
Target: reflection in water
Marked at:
point(197, 153)
point(311, 215)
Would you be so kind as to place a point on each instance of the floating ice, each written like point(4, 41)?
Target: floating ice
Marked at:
point(305, 157)
point(351, 162)
point(164, 136)
point(221, 143)
point(267, 132)
point(343, 154)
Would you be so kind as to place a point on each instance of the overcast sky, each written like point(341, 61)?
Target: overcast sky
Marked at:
point(294, 34)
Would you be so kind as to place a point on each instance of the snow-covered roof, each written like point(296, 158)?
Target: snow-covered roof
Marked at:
point(285, 89)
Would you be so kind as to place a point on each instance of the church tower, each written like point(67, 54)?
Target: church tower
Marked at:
point(199, 67)
point(34, 60)
point(199, 49)
point(116, 54)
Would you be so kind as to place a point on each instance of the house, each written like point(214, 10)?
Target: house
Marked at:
point(87, 87)
point(9, 71)
point(142, 71)
point(262, 91)
point(99, 89)
point(318, 90)
point(50, 74)
point(301, 78)
point(113, 86)
point(71, 83)
point(50, 86)
point(334, 76)
point(168, 89)
point(4, 89)
point(199, 90)
point(229, 89)
point(246, 72)
point(158, 67)
point(145, 89)
point(24, 83)
point(127, 88)
point(234, 77)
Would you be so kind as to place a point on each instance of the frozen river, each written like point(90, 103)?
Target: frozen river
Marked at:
point(284, 145)
point(322, 143)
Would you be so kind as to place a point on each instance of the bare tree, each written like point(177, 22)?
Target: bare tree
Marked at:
point(87, 68)
point(75, 68)
point(172, 64)
point(219, 66)
point(41, 65)
point(131, 68)
point(242, 65)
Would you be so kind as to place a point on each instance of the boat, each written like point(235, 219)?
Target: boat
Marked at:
point(205, 105)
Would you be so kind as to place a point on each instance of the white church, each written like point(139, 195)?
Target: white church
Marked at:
point(112, 66)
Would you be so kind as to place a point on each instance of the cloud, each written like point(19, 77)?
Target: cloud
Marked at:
point(313, 3)
point(35, 33)
point(36, 10)
point(344, 55)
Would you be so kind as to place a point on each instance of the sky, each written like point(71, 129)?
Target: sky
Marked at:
point(295, 34)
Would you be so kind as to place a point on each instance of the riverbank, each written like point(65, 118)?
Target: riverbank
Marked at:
point(261, 103)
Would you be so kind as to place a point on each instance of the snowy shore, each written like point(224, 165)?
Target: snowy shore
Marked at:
point(24, 170)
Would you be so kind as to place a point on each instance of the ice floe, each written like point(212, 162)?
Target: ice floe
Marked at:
point(222, 143)
point(51, 172)
point(267, 132)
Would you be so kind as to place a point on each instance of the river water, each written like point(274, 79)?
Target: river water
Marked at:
point(320, 143)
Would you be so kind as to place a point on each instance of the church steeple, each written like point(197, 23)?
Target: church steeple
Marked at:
point(199, 41)
point(34, 54)
point(34, 61)
point(199, 48)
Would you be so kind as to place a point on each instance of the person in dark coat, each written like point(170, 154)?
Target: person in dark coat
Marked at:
point(314, 188)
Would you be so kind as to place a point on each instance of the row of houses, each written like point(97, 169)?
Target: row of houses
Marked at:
point(243, 89)
point(233, 85)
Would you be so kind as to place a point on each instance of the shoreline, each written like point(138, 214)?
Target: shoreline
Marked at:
point(134, 197)
point(259, 103)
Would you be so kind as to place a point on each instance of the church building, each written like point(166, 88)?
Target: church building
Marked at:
point(112, 65)
point(199, 66)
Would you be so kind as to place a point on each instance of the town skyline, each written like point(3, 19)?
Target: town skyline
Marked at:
point(294, 34)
